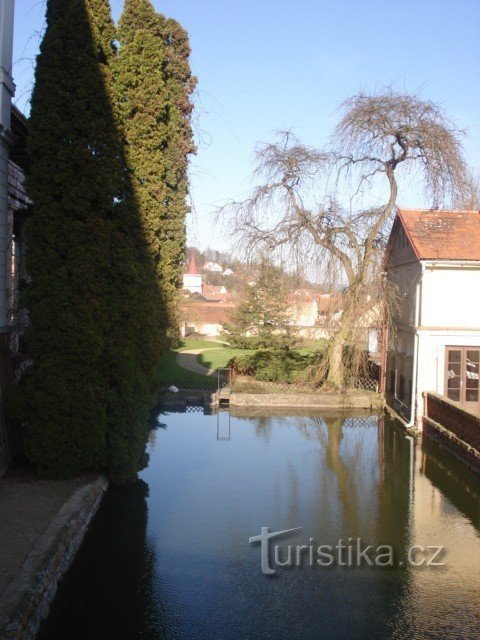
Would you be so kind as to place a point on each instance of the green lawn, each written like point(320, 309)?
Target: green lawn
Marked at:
point(219, 358)
point(169, 372)
point(198, 343)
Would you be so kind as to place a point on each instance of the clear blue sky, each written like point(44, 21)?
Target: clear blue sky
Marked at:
point(264, 66)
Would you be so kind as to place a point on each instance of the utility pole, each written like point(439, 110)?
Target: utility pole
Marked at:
point(7, 91)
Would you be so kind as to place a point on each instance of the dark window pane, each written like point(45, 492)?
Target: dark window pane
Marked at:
point(454, 356)
point(471, 396)
point(454, 395)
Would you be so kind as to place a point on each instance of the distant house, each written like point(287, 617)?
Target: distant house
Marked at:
point(213, 266)
point(228, 272)
point(214, 293)
point(192, 279)
point(433, 259)
point(302, 309)
point(330, 305)
point(205, 318)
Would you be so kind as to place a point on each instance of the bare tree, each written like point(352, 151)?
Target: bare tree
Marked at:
point(296, 207)
point(468, 197)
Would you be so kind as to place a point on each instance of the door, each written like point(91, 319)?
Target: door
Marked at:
point(462, 376)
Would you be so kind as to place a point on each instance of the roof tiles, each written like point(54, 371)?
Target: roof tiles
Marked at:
point(442, 235)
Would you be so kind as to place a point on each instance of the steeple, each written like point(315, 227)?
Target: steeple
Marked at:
point(192, 267)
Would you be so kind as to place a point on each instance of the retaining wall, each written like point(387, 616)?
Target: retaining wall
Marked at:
point(322, 400)
point(26, 600)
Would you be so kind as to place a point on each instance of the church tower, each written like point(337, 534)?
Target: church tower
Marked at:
point(192, 280)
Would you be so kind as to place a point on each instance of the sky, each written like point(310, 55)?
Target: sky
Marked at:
point(268, 66)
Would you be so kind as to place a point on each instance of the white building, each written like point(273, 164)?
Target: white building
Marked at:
point(7, 90)
point(214, 267)
point(433, 259)
point(192, 280)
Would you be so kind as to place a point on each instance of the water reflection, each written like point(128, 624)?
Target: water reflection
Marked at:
point(176, 563)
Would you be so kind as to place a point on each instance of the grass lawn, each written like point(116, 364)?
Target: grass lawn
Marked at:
point(169, 372)
point(219, 358)
point(198, 343)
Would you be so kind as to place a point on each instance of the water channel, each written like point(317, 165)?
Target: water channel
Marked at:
point(170, 558)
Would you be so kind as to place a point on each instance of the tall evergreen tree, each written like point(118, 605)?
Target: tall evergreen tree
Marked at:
point(73, 181)
point(180, 84)
point(261, 318)
point(154, 84)
point(93, 336)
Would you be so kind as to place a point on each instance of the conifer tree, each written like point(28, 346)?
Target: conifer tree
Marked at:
point(180, 84)
point(99, 303)
point(72, 181)
point(260, 320)
point(153, 85)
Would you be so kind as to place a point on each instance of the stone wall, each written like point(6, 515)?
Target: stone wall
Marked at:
point(26, 601)
point(321, 400)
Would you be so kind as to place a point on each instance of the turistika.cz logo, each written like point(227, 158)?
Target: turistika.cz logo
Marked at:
point(351, 552)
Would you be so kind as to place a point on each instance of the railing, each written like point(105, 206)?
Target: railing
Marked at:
point(242, 384)
point(10, 435)
point(246, 384)
point(449, 415)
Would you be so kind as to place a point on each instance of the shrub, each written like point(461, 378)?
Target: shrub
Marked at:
point(272, 365)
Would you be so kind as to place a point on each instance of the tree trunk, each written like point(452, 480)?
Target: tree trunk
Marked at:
point(336, 367)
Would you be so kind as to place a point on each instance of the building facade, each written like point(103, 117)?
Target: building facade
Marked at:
point(7, 90)
point(433, 261)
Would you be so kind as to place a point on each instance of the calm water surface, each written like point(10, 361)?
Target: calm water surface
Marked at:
point(170, 558)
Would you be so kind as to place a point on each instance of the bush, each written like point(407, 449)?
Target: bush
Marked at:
point(272, 365)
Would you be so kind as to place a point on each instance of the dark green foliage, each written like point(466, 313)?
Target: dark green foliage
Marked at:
point(280, 364)
point(153, 85)
point(96, 299)
point(73, 181)
point(260, 321)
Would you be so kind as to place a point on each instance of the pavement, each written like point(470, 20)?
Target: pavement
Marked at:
point(33, 518)
point(188, 360)
point(27, 508)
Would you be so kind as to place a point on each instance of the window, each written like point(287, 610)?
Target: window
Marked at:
point(462, 375)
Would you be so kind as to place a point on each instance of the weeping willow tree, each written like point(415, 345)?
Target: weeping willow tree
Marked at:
point(296, 205)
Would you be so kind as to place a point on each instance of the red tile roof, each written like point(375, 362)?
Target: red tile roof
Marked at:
point(213, 292)
point(442, 235)
point(209, 312)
